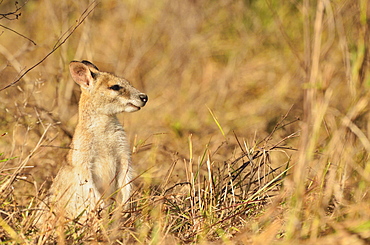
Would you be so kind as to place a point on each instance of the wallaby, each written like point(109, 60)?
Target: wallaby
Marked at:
point(99, 162)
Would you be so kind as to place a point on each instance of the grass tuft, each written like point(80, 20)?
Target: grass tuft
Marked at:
point(281, 158)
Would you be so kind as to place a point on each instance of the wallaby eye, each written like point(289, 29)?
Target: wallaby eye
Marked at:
point(115, 87)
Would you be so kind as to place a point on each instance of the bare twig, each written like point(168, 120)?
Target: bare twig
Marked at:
point(13, 15)
point(19, 34)
point(58, 44)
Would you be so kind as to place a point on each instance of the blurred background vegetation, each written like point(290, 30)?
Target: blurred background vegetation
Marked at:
point(247, 61)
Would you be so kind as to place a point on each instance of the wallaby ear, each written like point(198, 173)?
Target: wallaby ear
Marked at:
point(89, 64)
point(81, 73)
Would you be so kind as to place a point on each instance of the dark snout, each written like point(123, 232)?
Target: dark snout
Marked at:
point(143, 98)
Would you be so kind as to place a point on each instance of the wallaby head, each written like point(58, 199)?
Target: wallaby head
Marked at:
point(105, 92)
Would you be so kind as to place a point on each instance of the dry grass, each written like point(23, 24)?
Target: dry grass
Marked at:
point(219, 154)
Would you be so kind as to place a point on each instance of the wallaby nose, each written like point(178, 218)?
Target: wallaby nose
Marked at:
point(143, 97)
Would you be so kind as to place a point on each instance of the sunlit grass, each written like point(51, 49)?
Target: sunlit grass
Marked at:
point(256, 128)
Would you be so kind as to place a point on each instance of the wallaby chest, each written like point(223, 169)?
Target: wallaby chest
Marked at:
point(110, 152)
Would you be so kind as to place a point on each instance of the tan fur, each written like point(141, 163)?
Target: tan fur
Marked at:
point(99, 162)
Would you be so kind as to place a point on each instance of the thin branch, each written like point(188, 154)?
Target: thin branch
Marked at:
point(9, 29)
point(59, 43)
point(14, 14)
